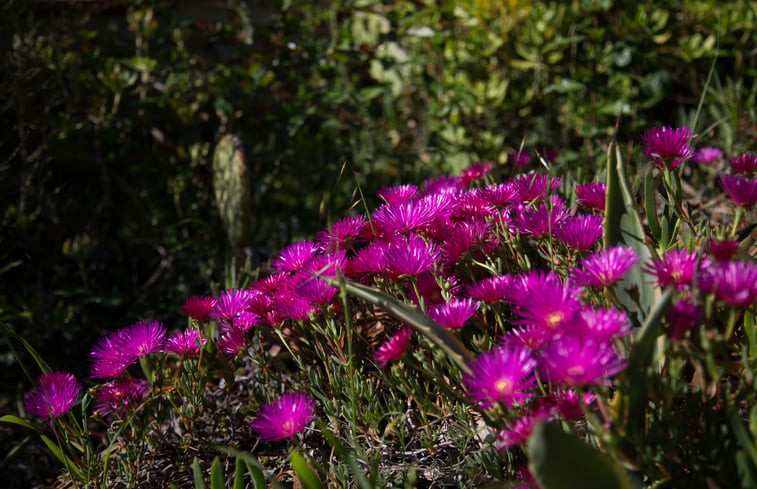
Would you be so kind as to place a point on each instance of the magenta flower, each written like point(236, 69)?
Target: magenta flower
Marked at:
point(501, 375)
point(543, 220)
point(544, 301)
point(707, 156)
point(370, 260)
point(430, 289)
point(676, 267)
point(403, 217)
point(471, 238)
point(411, 256)
point(605, 267)
point(188, 342)
point(284, 417)
point(442, 185)
point(569, 403)
point(109, 358)
point(580, 232)
point(343, 234)
point(476, 171)
point(733, 282)
point(292, 306)
point(120, 396)
point(534, 186)
point(530, 337)
point(293, 257)
point(745, 164)
point(316, 291)
point(742, 190)
point(231, 303)
point(198, 307)
point(572, 361)
point(499, 195)
point(520, 430)
point(141, 339)
point(684, 315)
point(722, 250)
point(55, 394)
point(394, 347)
point(471, 205)
point(490, 290)
point(398, 193)
point(232, 343)
point(602, 325)
point(667, 147)
point(520, 159)
point(455, 313)
point(592, 195)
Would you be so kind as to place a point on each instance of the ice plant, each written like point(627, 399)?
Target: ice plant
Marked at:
point(394, 347)
point(120, 396)
point(600, 324)
point(55, 394)
point(501, 375)
point(398, 193)
point(284, 417)
point(109, 360)
point(684, 315)
point(580, 232)
point(293, 257)
point(572, 361)
point(676, 268)
point(198, 307)
point(343, 234)
point(707, 156)
point(455, 313)
point(188, 342)
point(475, 172)
point(520, 159)
point(403, 217)
point(231, 303)
point(741, 190)
point(141, 339)
point(410, 257)
point(733, 282)
point(534, 186)
point(744, 164)
point(592, 195)
point(490, 290)
point(605, 267)
point(667, 147)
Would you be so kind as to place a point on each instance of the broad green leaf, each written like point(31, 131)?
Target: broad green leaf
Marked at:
point(9, 418)
point(413, 316)
point(561, 461)
point(305, 473)
point(650, 205)
point(197, 474)
point(216, 474)
point(622, 226)
point(239, 474)
point(640, 361)
point(67, 462)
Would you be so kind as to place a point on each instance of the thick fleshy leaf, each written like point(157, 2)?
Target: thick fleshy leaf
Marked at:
point(305, 473)
point(623, 226)
point(216, 474)
point(561, 461)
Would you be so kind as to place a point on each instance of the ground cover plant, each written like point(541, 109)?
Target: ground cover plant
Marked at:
point(494, 328)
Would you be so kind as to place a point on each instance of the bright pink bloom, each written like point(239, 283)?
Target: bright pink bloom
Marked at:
point(723, 250)
point(534, 186)
point(520, 159)
point(580, 232)
point(544, 301)
point(231, 303)
point(109, 358)
point(498, 195)
point(518, 432)
point(316, 291)
point(394, 347)
point(293, 257)
point(676, 267)
point(605, 267)
point(684, 315)
point(442, 185)
point(188, 342)
point(431, 291)
point(742, 190)
point(667, 147)
point(707, 156)
point(141, 339)
point(232, 343)
point(490, 290)
point(472, 238)
point(602, 325)
point(501, 375)
point(569, 403)
point(370, 260)
point(745, 164)
point(733, 282)
point(120, 396)
point(343, 234)
point(542, 221)
point(572, 361)
point(198, 307)
point(55, 394)
point(411, 256)
point(530, 337)
point(403, 217)
point(455, 313)
point(284, 417)
point(398, 193)
point(592, 195)
point(475, 172)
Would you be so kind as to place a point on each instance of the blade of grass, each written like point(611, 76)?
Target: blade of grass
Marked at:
point(197, 474)
point(305, 473)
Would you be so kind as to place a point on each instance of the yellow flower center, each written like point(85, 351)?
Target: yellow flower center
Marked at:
point(503, 386)
point(554, 319)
